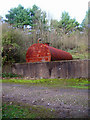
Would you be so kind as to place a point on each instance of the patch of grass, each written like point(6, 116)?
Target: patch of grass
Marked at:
point(14, 111)
point(78, 83)
point(21, 111)
point(81, 84)
point(77, 55)
point(10, 75)
point(83, 87)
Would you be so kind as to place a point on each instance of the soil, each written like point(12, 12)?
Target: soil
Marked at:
point(67, 102)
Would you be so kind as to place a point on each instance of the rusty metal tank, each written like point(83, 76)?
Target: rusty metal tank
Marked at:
point(40, 52)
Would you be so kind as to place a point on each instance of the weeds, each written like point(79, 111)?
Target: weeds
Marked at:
point(10, 75)
point(16, 110)
point(52, 83)
point(78, 55)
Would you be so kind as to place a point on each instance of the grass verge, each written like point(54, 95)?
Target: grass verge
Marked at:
point(75, 83)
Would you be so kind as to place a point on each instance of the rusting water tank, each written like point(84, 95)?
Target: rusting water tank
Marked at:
point(40, 52)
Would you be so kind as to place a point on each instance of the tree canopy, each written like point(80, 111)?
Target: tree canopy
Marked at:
point(20, 17)
point(86, 20)
point(66, 23)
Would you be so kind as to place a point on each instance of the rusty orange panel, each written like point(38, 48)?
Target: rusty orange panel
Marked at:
point(38, 53)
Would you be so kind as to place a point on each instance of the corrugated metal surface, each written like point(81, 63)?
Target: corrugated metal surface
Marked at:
point(43, 53)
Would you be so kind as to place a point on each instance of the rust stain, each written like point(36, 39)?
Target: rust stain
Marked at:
point(40, 52)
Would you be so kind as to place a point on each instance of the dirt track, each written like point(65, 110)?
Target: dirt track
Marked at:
point(69, 103)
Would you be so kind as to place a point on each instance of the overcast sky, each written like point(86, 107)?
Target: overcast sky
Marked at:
point(54, 8)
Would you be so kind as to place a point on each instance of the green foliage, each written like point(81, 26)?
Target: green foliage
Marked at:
point(10, 75)
point(61, 83)
point(39, 21)
point(15, 111)
point(12, 45)
point(78, 55)
point(18, 17)
point(86, 20)
point(19, 110)
point(67, 24)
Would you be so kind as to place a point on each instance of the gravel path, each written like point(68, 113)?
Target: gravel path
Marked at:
point(69, 103)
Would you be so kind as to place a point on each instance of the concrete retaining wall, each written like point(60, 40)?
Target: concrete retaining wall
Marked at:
point(61, 69)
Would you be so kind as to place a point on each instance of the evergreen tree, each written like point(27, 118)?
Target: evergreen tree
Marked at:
point(68, 24)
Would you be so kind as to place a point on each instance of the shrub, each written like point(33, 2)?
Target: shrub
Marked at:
point(10, 75)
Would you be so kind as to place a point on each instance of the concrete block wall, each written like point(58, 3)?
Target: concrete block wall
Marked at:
point(61, 69)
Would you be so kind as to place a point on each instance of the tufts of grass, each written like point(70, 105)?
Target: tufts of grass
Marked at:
point(78, 55)
point(78, 83)
point(15, 111)
point(21, 111)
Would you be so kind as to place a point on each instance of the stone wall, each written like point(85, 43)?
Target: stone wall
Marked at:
point(60, 69)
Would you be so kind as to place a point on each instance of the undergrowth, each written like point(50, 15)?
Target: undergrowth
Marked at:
point(10, 75)
point(16, 110)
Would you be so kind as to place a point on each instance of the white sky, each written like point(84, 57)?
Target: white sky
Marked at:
point(54, 8)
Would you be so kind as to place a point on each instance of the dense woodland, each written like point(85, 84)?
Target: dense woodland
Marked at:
point(22, 27)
